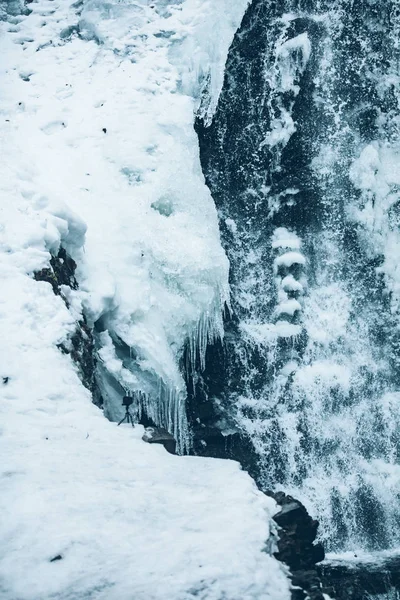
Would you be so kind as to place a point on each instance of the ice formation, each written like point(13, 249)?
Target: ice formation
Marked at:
point(291, 57)
point(124, 157)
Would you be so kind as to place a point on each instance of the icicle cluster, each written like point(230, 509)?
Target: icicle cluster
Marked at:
point(168, 412)
point(210, 328)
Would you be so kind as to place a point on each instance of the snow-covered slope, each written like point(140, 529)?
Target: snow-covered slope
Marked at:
point(127, 519)
point(122, 519)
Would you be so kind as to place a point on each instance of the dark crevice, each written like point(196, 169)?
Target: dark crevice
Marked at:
point(80, 345)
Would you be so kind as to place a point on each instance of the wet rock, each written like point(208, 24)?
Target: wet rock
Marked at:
point(297, 534)
point(363, 580)
point(80, 345)
point(158, 435)
point(297, 547)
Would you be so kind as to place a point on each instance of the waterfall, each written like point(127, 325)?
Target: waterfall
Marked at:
point(303, 161)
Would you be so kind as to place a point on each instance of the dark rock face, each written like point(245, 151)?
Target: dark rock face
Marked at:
point(80, 346)
point(83, 353)
point(61, 272)
point(297, 547)
point(363, 580)
point(211, 434)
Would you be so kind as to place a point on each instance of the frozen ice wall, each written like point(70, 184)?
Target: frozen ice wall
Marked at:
point(108, 93)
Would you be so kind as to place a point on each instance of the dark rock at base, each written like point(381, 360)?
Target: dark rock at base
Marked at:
point(298, 531)
point(363, 581)
point(158, 435)
point(307, 584)
point(296, 547)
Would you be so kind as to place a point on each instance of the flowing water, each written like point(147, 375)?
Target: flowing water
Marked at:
point(303, 161)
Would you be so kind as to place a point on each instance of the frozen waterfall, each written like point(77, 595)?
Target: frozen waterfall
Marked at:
point(303, 162)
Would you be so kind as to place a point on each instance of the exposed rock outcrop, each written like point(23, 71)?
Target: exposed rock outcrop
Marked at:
point(297, 547)
point(80, 345)
point(363, 580)
point(158, 435)
point(61, 272)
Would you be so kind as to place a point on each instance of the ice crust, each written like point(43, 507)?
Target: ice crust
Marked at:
point(123, 155)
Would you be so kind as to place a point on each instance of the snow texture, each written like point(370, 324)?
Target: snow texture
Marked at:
point(290, 258)
point(99, 156)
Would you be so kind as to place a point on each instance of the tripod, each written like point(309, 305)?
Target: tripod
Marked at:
point(128, 417)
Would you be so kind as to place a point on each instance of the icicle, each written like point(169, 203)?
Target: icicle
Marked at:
point(167, 410)
point(210, 328)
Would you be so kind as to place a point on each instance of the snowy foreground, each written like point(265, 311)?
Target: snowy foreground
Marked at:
point(130, 521)
point(126, 520)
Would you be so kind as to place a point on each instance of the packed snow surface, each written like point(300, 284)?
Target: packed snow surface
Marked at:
point(121, 518)
point(129, 520)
